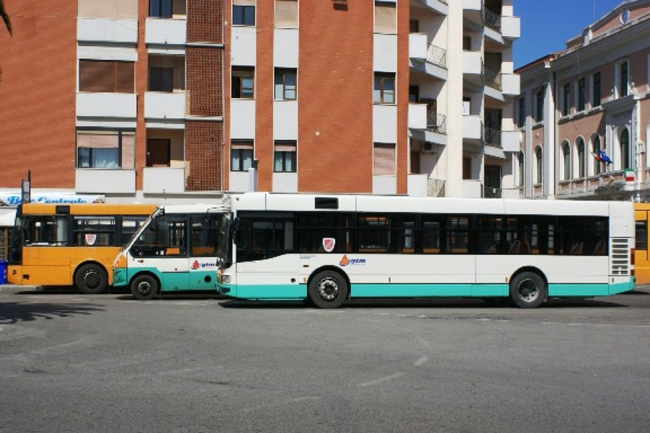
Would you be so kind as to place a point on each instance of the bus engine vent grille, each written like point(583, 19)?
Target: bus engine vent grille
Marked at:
point(620, 261)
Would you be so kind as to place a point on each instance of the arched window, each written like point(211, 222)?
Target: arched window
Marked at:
point(595, 149)
point(520, 160)
point(539, 165)
point(580, 150)
point(566, 158)
point(624, 141)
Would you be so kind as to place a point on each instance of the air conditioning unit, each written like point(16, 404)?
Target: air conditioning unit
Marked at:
point(428, 147)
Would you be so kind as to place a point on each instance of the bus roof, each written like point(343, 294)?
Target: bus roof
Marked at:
point(406, 204)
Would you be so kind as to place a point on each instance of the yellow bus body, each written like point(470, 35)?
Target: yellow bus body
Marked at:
point(52, 265)
point(641, 258)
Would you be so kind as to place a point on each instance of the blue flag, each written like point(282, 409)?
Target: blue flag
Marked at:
point(602, 156)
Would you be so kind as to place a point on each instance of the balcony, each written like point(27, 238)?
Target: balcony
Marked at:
point(473, 129)
point(163, 180)
point(491, 78)
point(123, 31)
point(164, 106)
point(473, 11)
point(105, 181)
point(439, 6)
point(492, 136)
point(160, 31)
point(117, 105)
point(510, 141)
point(511, 27)
point(422, 118)
point(492, 20)
point(473, 67)
point(426, 57)
point(511, 84)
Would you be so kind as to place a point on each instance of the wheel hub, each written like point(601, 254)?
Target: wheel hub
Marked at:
point(328, 289)
point(528, 290)
point(91, 279)
point(144, 288)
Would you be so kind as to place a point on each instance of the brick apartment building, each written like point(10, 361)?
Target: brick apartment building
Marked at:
point(152, 100)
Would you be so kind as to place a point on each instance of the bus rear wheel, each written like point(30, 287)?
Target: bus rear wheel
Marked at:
point(144, 287)
point(91, 279)
point(528, 290)
point(328, 289)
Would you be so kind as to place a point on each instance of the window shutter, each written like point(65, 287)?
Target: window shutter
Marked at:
point(286, 13)
point(125, 82)
point(97, 140)
point(385, 17)
point(128, 150)
point(384, 159)
point(95, 76)
point(243, 2)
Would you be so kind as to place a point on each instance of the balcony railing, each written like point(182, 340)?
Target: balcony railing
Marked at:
point(437, 56)
point(491, 192)
point(444, 1)
point(492, 19)
point(492, 137)
point(437, 122)
point(491, 78)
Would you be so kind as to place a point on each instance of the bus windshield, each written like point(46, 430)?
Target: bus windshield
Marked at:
point(223, 247)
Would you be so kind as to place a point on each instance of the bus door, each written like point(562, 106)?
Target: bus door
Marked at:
point(160, 250)
point(204, 240)
point(641, 259)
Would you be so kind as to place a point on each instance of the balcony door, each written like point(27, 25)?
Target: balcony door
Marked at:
point(158, 152)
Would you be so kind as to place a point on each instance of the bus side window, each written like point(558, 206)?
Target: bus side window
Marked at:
point(641, 235)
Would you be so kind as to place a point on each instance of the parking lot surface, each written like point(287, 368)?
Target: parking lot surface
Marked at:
point(196, 363)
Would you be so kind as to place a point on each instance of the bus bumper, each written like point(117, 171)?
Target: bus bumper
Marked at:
point(119, 277)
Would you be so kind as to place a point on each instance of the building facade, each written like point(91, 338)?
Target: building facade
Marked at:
point(152, 100)
point(584, 112)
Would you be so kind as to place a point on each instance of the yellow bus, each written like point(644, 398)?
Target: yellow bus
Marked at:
point(641, 257)
point(71, 244)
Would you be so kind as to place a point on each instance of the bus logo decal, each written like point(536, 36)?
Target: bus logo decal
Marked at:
point(328, 244)
point(348, 262)
point(90, 239)
point(196, 265)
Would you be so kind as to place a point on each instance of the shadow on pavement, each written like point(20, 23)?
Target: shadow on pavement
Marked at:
point(13, 312)
point(431, 303)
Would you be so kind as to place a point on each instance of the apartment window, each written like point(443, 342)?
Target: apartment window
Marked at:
point(384, 92)
point(106, 76)
point(520, 161)
point(284, 157)
point(581, 94)
point(580, 148)
point(158, 152)
point(467, 106)
point(625, 149)
point(241, 155)
point(539, 115)
point(566, 102)
point(243, 12)
point(286, 84)
point(596, 90)
point(414, 26)
point(286, 14)
point(161, 79)
point(539, 165)
point(243, 79)
point(384, 163)
point(595, 149)
point(385, 17)
point(106, 149)
point(566, 159)
point(521, 112)
point(160, 8)
point(623, 79)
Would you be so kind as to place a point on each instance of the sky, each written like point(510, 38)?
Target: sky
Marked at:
point(546, 25)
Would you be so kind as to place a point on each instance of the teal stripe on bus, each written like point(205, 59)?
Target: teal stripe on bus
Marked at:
point(259, 291)
point(427, 290)
point(560, 290)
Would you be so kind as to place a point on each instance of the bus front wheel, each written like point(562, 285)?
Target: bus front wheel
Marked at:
point(144, 287)
point(91, 279)
point(328, 289)
point(528, 290)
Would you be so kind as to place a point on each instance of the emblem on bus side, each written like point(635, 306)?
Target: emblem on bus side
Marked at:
point(91, 239)
point(328, 244)
point(346, 262)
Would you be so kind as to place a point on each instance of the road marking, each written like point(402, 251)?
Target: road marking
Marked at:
point(382, 380)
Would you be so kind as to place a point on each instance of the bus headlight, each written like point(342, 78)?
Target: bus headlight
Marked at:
point(225, 279)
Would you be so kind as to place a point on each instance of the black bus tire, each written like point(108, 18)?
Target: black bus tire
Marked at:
point(328, 289)
point(528, 290)
point(144, 287)
point(91, 279)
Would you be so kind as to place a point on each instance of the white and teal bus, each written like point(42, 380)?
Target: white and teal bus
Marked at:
point(174, 250)
point(331, 248)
